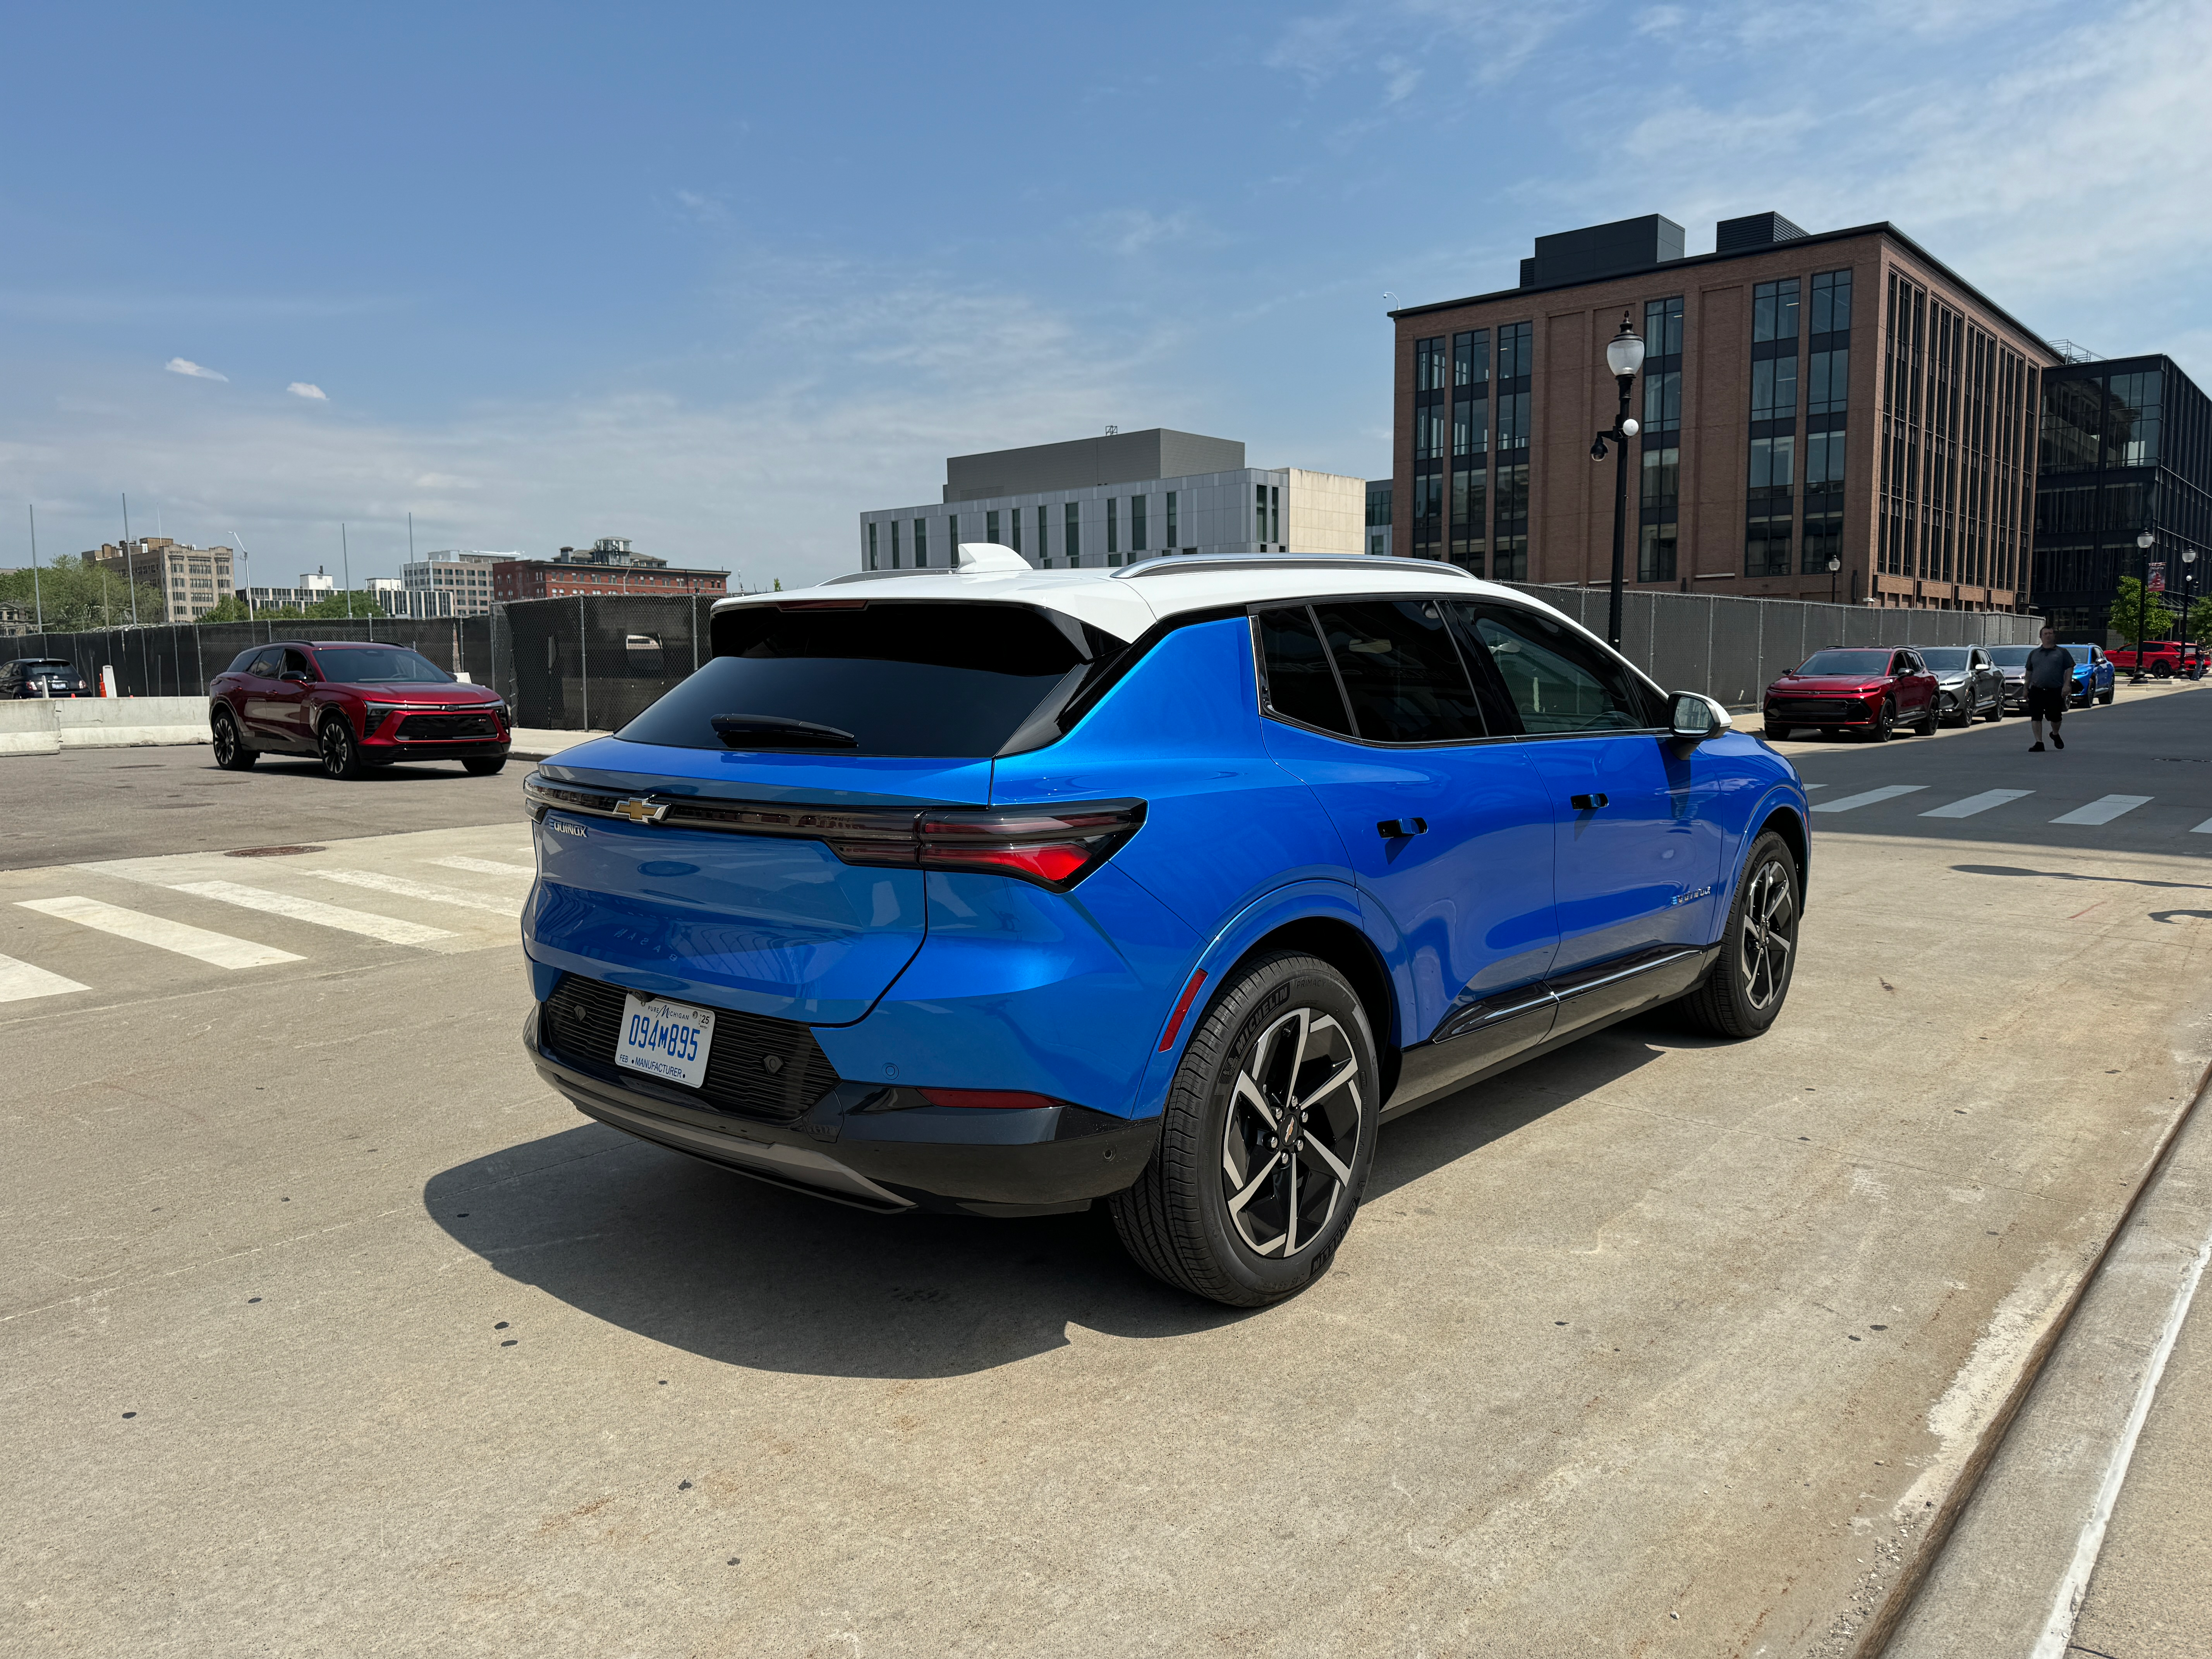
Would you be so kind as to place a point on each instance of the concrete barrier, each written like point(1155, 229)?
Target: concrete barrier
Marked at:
point(40, 726)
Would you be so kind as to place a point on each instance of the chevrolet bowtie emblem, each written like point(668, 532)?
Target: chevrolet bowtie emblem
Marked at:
point(640, 811)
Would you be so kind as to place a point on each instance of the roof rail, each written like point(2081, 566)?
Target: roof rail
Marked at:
point(1169, 563)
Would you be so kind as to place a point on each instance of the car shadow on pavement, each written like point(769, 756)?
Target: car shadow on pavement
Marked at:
point(683, 1253)
point(2074, 875)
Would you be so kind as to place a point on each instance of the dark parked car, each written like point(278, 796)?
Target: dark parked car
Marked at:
point(1874, 690)
point(2092, 674)
point(1969, 686)
point(50, 676)
point(353, 705)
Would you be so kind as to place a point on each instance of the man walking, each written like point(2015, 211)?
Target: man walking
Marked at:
point(2049, 675)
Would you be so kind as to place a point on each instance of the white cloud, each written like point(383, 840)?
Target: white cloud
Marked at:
point(185, 365)
point(1128, 231)
point(846, 399)
point(308, 389)
point(702, 207)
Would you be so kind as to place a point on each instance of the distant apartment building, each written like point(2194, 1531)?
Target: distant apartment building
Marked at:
point(193, 581)
point(609, 565)
point(306, 591)
point(455, 583)
point(2127, 445)
point(17, 619)
point(390, 591)
point(1842, 395)
point(1378, 515)
point(1113, 500)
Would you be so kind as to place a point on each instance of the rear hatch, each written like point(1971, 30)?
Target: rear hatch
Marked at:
point(819, 732)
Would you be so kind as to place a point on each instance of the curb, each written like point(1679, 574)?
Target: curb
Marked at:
point(1874, 1634)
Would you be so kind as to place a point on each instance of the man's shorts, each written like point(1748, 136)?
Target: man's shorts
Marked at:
point(2046, 704)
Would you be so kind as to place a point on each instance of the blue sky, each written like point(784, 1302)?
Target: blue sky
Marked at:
point(719, 278)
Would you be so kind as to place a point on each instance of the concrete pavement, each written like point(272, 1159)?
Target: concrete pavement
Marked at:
point(1655, 1346)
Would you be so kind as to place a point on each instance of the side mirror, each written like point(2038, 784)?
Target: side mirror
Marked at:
point(1697, 717)
point(295, 676)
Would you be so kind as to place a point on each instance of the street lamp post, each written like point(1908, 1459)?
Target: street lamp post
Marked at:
point(1834, 565)
point(1624, 357)
point(2144, 542)
point(2188, 590)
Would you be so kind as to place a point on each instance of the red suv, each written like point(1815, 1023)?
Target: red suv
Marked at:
point(1874, 690)
point(353, 705)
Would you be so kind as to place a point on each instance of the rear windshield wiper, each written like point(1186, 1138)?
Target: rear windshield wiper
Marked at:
point(775, 731)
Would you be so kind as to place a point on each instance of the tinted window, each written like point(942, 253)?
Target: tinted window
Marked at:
point(378, 665)
point(1402, 673)
point(295, 662)
point(243, 662)
point(1846, 662)
point(1557, 680)
point(946, 680)
point(1944, 658)
point(2010, 656)
point(1300, 684)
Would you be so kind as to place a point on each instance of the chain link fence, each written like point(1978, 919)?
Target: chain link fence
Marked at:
point(1732, 649)
point(593, 663)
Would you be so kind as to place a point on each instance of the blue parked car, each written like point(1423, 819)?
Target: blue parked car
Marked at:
point(2093, 674)
point(1003, 891)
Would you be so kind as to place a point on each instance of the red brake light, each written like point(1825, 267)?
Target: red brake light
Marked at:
point(1054, 847)
point(1006, 1100)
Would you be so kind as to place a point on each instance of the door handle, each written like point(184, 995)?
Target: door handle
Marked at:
point(1588, 803)
point(1394, 828)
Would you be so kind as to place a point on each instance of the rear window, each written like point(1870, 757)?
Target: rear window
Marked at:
point(946, 680)
point(378, 664)
point(2010, 656)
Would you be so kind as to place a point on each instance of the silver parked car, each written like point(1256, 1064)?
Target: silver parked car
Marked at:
point(1969, 685)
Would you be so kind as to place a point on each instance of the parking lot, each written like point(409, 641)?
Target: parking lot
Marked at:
point(334, 1331)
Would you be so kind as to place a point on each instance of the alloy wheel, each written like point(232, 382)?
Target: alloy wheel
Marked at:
point(337, 748)
point(1291, 1134)
point(1769, 933)
point(225, 742)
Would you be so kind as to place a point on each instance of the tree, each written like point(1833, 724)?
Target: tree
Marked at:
point(331, 606)
point(2200, 620)
point(2130, 609)
point(77, 595)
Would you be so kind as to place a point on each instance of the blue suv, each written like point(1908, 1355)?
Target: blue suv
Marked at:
point(1002, 892)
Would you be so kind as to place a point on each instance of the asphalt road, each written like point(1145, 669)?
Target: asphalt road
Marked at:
point(119, 803)
point(330, 1330)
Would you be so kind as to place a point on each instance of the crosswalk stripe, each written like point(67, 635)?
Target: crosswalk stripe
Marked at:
point(487, 866)
point(216, 949)
point(1974, 804)
point(1887, 791)
point(20, 981)
point(387, 928)
point(2102, 811)
point(421, 890)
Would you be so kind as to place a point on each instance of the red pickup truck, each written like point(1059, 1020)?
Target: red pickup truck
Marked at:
point(2163, 658)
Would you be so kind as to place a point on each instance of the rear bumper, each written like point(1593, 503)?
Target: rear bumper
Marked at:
point(876, 1146)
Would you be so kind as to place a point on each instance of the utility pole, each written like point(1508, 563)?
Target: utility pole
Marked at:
point(38, 603)
point(345, 570)
point(130, 575)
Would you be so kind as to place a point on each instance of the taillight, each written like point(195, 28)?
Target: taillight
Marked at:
point(1053, 846)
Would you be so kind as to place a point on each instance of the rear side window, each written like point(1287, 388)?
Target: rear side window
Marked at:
point(243, 663)
point(945, 680)
point(1402, 673)
point(1557, 680)
point(1301, 685)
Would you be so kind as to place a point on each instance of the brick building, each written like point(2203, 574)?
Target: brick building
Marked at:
point(608, 566)
point(1842, 394)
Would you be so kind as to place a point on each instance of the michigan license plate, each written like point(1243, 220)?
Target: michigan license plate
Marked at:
point(668, 1040)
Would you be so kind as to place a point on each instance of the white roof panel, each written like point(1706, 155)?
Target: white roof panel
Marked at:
point(1127, 601)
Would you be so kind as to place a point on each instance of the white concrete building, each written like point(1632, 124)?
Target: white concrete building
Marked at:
point(1114, 499)
point(193, 581)
point(464, 578)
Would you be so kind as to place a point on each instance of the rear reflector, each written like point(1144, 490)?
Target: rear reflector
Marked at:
point(1182, 1007)
point(1004, 1100)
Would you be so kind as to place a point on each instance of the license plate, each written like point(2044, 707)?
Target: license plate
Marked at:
point(667, 1040)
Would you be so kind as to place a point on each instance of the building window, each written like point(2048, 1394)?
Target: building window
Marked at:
point(1832, 303)
point(1044, 544)
point(1773, 463)
point(1774, 389)
point(1428, 513)
point(1766, 545)
point(952, 538)
point(1113, 531)
point(1511, 562)
point(895, 545)
point(1174, 535)
point(1659, 496)
point(1072, 535)
point(1275, 513)
point(1136, 524)
point(1774, 310)
point(991, 528)
point(1655, 558)
point(920, 543)
point(1429, 365)
point(1470, 502)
